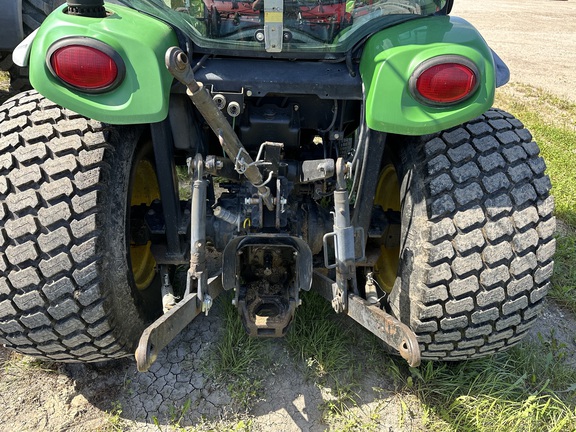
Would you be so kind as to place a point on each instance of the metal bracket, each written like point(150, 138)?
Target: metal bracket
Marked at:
point(393, 332)
point(168, 298)
point(178, 65)
point(229, 102)
point(359, 245)
point(304, 269)
point(161, 332)
point(267, 272)
point(273, 25)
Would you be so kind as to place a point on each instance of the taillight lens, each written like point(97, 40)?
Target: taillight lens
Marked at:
point(87, 68)
point(445, 83)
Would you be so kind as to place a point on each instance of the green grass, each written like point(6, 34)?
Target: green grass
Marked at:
point(234, 425)
point(321, 341)
point(184, 182)
point(115, 423)
point(237, 359)
point(18, 366)
point(529, 388)
point(564, 279)
point(319, 338)
point(330, 354)
point(4, 81)
point(552, 122)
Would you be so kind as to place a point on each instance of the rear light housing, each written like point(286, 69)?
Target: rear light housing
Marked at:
point(86, 64)
point(444, 80)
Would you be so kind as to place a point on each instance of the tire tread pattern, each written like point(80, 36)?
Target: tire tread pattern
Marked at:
point(489, 239)
point(52, 299)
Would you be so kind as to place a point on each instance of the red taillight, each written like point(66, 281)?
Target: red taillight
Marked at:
point(445, 83)
point(85, 67)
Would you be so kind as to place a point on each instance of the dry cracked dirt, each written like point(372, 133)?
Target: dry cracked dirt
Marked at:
point(179, 391)
point(537, 39)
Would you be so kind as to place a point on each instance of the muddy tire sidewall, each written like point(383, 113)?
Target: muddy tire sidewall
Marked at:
point(67, 291)
point(477, 237)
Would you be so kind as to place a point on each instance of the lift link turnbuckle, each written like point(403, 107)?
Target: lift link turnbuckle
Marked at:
point(197, 275)
point(344, 237)
point(178, 65)
point(199, 290)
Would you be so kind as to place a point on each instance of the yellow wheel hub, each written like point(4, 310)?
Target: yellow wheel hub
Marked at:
point(144, 191)
point(387, 197)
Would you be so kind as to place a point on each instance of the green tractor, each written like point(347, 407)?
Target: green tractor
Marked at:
point(347, 147)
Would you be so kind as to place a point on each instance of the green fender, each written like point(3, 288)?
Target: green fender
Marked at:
point(391, 56)
point(141, 41)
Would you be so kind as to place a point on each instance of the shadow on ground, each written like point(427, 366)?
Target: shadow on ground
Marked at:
point(178, 390)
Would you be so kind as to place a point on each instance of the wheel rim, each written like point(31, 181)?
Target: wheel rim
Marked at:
point(144, 190)
point(387, 197)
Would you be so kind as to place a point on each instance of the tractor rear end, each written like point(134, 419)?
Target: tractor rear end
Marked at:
point(343, 147)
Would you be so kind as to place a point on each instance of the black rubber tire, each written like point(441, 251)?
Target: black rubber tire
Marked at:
point(66, 287)
point(34, 12)
point(477, 237)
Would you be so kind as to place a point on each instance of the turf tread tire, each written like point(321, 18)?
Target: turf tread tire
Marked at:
point(65, 289)
point(478, 237)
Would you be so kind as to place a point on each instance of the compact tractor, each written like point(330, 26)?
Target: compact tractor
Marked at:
point(347, 147)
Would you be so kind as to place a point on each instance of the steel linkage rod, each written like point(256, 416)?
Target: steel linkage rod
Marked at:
point(178, 65)
point(387, 328)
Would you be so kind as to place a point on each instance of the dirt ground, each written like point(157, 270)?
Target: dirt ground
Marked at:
point(537, 39)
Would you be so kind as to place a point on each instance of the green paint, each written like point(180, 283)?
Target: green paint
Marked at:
point(391, 56)
point(141, 41)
